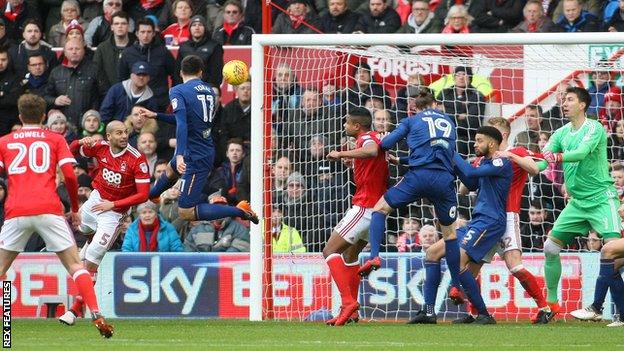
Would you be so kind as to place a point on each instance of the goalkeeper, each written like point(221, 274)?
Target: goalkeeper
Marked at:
point(582, 147)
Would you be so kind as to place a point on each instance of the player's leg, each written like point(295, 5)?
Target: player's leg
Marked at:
point(190, 207)
point(13, 238)
point(376, 233)
point(614, 249)
point(166, 180)
point(433, 276)
point(351, 259)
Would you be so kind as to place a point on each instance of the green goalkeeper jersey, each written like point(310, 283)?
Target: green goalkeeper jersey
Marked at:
point(585, 166)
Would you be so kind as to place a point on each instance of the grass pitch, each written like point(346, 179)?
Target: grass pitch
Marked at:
point(170, 335)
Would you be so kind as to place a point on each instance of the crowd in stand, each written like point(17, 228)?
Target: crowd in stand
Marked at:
point(112, 57)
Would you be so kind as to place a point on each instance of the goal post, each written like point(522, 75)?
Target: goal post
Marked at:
point(508, 72)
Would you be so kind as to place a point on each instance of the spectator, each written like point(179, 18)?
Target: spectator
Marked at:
point(405, 96)
point(16, 14)
point(35, 80)
point(457, 20)
point(57, 122)
point(234, 30)
point(299, 212)
point(380, 18)
point(617, 173)
point(330, 96)
point(169, 209)
point(616, 143)
point(593, 243)
point(152, 51)
point(382, 121)
point(427, 236)
point(92, 124)
point(207, 49)
point(159, 168)
point(70, 11)
point(364, 87)
point(84, 186)
point(74, 87)
point(75, 31)
point(31, 45)
point(99, 29)
point(166, 15)
point(236, 118)
point(495, 16)
point(286, 95)
point(229, 235)
point(594, 7)
point(109, 51)
point(554, 116)
point(137, 125)
point(616, 22)
point(599, 87)
point(5, 41)
point(292, 22)
point(151, 233)
point(340, 19)
point(180, 31)
point(146, 143)
point(534, 19)
point(9, 92)
point(408, 238)
point(152, 8)
point(467, 105)
point(575, 19)
point(612, 110)
point(235, 173)
point(203, 236)
point(286, 239)
point(421, 20)
point(253, 12)
point(122, 96)
point(529, 138)
point(327, 188)
point(534, 233)
point(280, 172)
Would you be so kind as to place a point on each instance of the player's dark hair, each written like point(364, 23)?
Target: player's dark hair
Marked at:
point(581, 94)
point(500, 122)
point(423, 98)
point(191, 65)
point(491, 132)
point(31, 108)
point(361, 116)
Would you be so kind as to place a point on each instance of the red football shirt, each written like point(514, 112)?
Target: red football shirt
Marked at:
point(117, 174)
point(370, 174)
point(30, 157)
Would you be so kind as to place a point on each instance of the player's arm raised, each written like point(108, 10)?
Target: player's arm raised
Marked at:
point(396, 135)
point(526, 162)
point(369, 149)
point(589, 144)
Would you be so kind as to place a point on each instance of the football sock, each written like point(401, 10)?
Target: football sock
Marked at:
point(452, 260)
point(605, 276)
point(376, 232)
point(354, 279)
point(617, 292)
point(340, 274)
point(209, 212)
point(471, 288)
point(84, 282)
point(162, 183)
point(529, 283)
point(552, 274)
point(79, 302)
point(433, 275)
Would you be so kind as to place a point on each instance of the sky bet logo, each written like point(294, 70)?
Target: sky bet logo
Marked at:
point(168, 286)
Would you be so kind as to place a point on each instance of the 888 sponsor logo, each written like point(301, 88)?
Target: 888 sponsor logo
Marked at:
point(111, 177)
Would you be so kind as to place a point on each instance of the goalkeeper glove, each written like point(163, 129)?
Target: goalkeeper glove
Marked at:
point(551, 157)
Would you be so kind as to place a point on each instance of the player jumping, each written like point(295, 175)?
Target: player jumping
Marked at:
point(193, 104)
point(430, 135)
point(122, 181)
point(30, 157)
point(581, 145)
point(510, 248)
point(492, 177)
point(350, 236)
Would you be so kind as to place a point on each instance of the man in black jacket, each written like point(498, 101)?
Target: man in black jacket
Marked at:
point(32, 44)
point(8, 94)
point(108, 52)
point(234, 31)
point(236, 120)
point(17, 14)
point(36, 80)
point(207, 49)
point(340, 19)
point(151, 50)
point(74, 87)
point(380, 18)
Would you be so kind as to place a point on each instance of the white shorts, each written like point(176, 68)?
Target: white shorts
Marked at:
point(355, 223)
point(53, 229)
point(510, 240)
point(103, 223)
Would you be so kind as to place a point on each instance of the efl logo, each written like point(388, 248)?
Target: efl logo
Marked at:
point(6, 314)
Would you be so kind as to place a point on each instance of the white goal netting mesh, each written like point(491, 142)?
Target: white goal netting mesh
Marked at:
point(308, 92)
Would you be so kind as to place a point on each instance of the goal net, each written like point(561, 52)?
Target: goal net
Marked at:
point(303, 86)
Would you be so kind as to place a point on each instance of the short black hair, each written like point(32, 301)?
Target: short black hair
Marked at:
point(192, 65)
point(535, 107)
point(491, 132)
point(145, 22)
point(582, 94)
point(121, 14)
point(361, 116)
point(536, 203)
point(32, 21)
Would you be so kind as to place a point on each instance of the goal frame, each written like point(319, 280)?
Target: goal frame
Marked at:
point(260, 118)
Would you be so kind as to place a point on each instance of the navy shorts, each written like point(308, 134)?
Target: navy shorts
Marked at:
point(193, 181)
point(437, 186)
point(480, 236)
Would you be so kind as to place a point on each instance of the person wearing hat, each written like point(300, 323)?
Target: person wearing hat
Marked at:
point(74, 31)
point(234, 30)
point(208, 50)
point(292, 22)
point(70, 12)
point(179, 30)
point(57, 122)
point(92, 124)
point(122, 96)
point(151, 233)
point(466, 105)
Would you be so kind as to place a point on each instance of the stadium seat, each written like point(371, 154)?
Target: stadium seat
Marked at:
point(52, 302)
